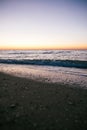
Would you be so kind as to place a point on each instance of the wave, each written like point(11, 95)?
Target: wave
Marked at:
point(61, 63)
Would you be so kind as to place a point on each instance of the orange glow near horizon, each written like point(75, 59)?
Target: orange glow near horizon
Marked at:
point(44, 47)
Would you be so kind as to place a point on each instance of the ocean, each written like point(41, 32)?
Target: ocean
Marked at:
point(67, 66)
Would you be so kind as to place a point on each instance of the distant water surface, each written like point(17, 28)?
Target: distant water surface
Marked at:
point(62, 58)
point(67, 66)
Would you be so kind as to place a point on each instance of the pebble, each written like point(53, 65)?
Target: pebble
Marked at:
point(35, 124)
point(17, 115)
point(76, 121)
point(12, 105)
point(70, 103)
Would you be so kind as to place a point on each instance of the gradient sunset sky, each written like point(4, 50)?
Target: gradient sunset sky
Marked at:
point(43, 24)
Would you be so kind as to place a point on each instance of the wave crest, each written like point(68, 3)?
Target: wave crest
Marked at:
point(61, 63)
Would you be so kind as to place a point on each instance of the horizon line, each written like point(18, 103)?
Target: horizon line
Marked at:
point(43, 49)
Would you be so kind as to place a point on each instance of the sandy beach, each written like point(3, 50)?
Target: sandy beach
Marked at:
point(34, 105)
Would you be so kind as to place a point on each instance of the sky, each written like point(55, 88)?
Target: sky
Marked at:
point(43, 24)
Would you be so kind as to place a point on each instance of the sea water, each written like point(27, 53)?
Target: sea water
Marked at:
point(65, 66)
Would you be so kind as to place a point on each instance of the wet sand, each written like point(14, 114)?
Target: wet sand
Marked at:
point(33, 105)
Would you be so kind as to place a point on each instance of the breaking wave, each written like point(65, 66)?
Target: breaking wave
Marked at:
point(45, 62)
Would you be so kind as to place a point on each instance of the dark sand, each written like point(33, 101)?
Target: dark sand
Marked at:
point(31, 105)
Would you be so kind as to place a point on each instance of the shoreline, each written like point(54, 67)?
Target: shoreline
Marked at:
point(30, 104)
point(75, 77)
